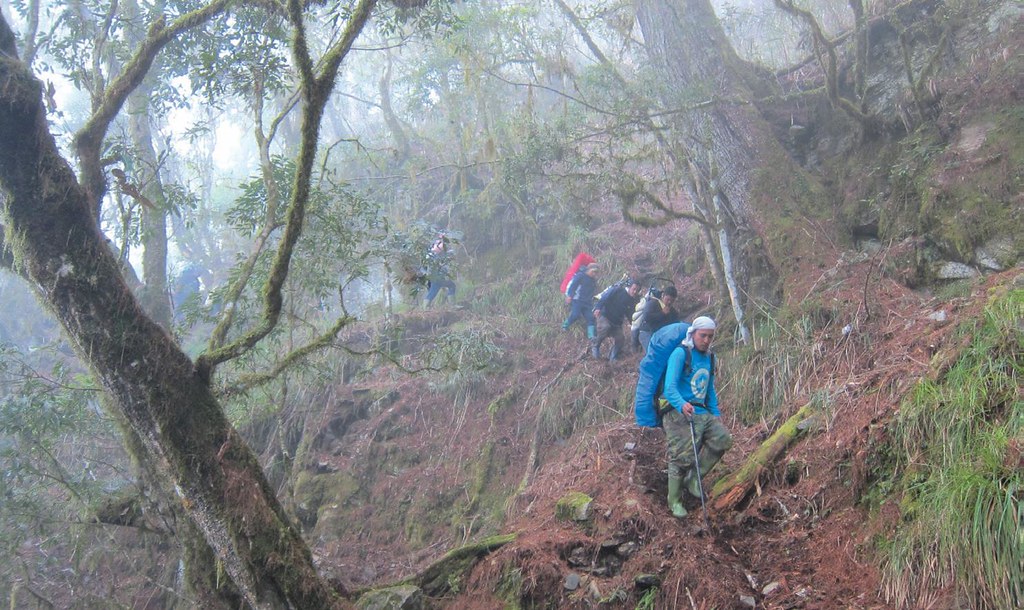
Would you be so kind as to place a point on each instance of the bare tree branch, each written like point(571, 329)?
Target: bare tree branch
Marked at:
point(316, 90)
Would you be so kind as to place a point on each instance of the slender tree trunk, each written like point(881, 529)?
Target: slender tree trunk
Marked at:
point(154, 295)
point(398, 136)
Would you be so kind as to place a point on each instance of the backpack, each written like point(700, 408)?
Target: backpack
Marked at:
point(651, 376)
point(638, 312)
point(625, 281)
point(581, 259)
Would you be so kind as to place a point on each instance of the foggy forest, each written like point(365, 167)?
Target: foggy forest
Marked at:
point(281, 324)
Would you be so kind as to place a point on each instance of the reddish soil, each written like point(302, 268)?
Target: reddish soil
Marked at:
point(802, 539)
point(806, 531)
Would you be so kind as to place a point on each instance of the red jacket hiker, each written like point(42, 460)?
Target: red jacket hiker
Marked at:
point(581, 259)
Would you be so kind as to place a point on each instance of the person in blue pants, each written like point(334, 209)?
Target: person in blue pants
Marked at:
point(439, 271)
point(580, 295)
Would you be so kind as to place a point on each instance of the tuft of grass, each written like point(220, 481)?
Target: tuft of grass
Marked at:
point(530, 307)
point(767, 373)
point(958, 449)
point(573, 405)
point(647, 600)
point(957, 289)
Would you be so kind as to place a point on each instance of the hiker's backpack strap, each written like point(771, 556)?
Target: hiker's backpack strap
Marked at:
point(689, 356)
point(686, 363)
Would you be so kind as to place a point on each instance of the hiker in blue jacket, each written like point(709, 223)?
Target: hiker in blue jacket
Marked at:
point(580, 294)
point(690, 390)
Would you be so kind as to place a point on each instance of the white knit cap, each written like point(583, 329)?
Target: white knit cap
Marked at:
point(699, 323)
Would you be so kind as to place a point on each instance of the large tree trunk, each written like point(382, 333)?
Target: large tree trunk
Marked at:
point(171, 410)
point(726, 139)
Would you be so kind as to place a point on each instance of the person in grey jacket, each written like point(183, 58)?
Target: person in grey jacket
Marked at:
point(658, 311)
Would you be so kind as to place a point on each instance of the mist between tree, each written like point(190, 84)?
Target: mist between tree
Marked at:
point(279, 296)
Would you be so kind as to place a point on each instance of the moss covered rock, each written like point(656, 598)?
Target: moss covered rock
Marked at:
point(574, 506)
point(401, 597)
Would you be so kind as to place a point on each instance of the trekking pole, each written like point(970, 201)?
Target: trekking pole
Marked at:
point(696, 465)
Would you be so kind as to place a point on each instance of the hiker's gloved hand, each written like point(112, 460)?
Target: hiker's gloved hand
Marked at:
point(687, 409)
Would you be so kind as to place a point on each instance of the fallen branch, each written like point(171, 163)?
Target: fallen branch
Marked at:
point(728, 492)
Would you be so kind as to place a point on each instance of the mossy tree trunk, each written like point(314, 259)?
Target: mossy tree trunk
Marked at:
point(730, 491)
point(182, 429)
point(728, 143)
point(182, 432)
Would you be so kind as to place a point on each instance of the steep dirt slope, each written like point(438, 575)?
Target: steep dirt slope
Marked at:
point(420, 471)
point(801, 540)
point(405, 467)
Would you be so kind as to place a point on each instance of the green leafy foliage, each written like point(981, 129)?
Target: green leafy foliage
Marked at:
point(244, 53)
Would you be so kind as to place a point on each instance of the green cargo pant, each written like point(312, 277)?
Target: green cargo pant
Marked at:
point(713, 440)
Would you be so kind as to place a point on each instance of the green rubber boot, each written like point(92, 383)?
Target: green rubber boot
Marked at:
point(675, 504)
point(708, 459)
point(692, 482)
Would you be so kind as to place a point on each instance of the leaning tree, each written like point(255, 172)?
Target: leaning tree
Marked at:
point(172, 420)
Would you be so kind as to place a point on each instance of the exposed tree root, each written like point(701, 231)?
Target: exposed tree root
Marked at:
point(436, 580)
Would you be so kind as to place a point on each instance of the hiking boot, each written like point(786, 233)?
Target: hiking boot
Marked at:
point(595, 351)
point(675, 503)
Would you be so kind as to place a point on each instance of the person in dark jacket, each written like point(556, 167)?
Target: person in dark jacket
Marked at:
point(658, 312)
point(614, 308)
point(439, 271)
point(580, 295)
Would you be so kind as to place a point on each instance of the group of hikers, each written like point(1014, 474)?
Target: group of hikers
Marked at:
point(676, 376)
point(615, 305)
